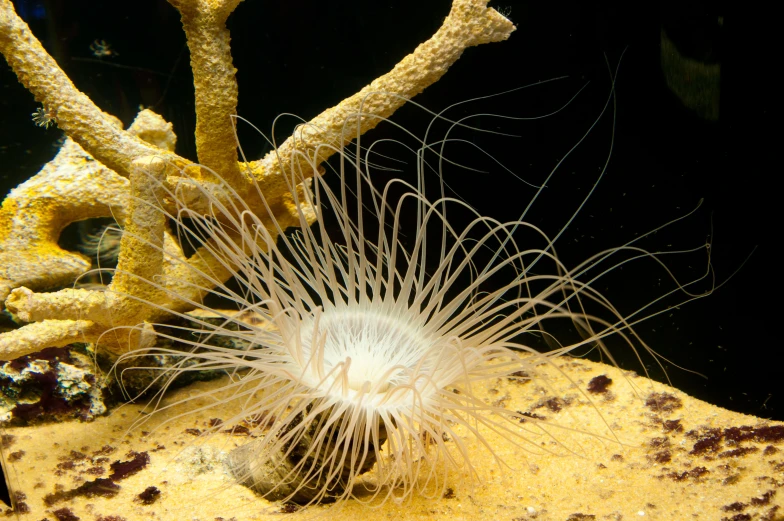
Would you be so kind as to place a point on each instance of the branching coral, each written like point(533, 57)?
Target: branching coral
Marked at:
point(75, 187)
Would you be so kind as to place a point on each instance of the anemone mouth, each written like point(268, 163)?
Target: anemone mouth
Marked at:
point(357, 351)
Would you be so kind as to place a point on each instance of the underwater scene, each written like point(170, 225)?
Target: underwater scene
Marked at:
point(446, 260)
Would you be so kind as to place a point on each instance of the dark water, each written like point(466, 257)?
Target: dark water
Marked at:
point(302, 57)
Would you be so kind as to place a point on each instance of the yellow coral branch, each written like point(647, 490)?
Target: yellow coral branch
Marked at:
point(48, 333)
point(141, 249)
point(96, 131)
point(204, 22)
point(71, 187)
point(469, 23)
point(72, 304)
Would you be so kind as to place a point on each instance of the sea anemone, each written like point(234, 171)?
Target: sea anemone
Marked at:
point(365, 334)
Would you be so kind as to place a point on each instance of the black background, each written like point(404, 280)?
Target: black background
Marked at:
point(302, 57)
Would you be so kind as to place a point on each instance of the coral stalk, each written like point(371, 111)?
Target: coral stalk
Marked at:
point(75, 113)
point(469, 23)
point(204, 23)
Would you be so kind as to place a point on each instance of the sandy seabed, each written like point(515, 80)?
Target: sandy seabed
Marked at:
point(675, 458)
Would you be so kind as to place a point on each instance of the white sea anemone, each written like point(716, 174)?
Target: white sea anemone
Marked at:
point(367, 332)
